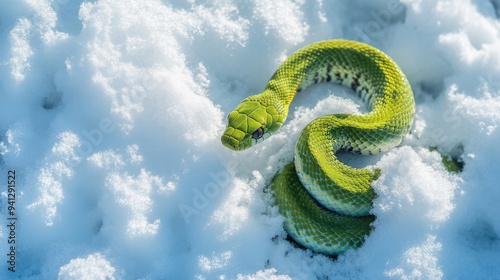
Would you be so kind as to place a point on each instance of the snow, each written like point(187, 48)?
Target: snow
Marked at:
point(111, 114)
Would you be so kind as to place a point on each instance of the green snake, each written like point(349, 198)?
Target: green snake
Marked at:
point(325, 203)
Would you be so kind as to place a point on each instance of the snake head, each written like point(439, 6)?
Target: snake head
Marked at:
point(251, 123)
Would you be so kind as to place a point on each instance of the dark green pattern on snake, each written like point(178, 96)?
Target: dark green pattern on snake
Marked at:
point(326, 203)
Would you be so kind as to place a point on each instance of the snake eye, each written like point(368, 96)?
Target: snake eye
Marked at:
point(258, 133)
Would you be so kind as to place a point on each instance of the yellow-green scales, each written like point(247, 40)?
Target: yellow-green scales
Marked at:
point(326, 203)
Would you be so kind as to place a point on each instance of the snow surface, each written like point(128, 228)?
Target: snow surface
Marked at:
point(111, 113)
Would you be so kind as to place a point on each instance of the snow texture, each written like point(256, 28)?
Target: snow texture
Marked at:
point(111, 113)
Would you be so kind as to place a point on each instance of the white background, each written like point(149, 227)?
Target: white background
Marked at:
point(111, 113)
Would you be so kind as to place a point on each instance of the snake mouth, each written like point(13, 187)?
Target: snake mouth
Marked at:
point(235, 139)
point(230, 142)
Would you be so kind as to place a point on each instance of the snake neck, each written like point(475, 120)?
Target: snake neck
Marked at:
point(370, 73)
point(326, 62)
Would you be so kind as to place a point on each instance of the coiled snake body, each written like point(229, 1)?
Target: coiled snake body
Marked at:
point(326, 203)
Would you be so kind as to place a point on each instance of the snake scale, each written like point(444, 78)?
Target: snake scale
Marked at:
point(325, 203)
